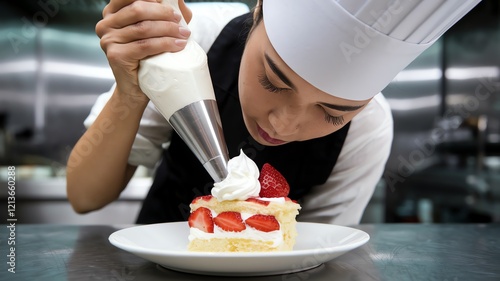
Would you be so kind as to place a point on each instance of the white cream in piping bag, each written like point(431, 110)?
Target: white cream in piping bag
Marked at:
point(242, 181)
point(173, 80)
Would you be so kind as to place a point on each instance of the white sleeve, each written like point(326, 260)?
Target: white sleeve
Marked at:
point(154, 132)
point(359, 167)
point(209, 18)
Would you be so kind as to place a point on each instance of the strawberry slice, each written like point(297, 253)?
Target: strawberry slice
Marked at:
point(201, 218)
point(204, 197)
point(230, 221)
point(272, 183)
point(255, 200)
point(265, 223)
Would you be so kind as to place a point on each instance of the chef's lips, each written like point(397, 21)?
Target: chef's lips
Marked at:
point(352, 49)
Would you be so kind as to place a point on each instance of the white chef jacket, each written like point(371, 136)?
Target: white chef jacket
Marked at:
point(359, 167)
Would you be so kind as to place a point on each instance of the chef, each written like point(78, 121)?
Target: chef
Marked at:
point(297, 84)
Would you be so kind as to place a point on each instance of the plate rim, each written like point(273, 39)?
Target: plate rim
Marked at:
point(301, 252)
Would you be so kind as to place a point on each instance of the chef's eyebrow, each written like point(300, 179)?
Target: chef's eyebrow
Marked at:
point(342, 107)
point(289, 83)
point(278, 72)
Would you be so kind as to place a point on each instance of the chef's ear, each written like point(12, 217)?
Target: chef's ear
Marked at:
point(186, 12)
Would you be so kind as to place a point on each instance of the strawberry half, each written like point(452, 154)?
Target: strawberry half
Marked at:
point(201, 218)
point(272, 183)
point(255, 200)
point(203, 197)
point(230, 221)
point(265, 223)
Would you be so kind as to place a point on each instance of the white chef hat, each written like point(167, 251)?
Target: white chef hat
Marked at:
point(352, 49)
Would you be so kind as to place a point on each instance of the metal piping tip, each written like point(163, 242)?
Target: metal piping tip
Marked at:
point(199, 125)
point(217, 168)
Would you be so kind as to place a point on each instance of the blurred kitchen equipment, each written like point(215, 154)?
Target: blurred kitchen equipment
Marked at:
point(446, 110)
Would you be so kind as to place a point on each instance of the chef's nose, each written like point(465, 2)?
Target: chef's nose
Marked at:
point(285, 121)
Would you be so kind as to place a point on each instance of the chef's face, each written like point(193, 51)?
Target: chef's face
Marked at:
point(279, 106)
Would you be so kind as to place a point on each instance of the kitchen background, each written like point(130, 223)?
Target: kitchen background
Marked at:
point(445, 161)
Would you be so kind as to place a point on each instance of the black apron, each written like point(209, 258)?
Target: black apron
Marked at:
point(181, 177)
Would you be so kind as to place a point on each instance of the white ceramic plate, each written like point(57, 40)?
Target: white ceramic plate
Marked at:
point(166, 245)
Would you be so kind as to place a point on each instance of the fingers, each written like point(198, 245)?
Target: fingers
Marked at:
point(146, 28)
point(135, 13)
point(140, 11)
point(140, 49)
point(133, 30)
point(186, 12)
point(141, 39)
point(116, 5)
point(143, 31)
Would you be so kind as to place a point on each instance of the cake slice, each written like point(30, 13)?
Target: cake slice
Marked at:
point(260, 219)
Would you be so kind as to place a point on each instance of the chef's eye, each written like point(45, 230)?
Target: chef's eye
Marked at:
point(266, 84)
point(335, 120)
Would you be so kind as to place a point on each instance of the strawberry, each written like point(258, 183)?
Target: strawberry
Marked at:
point(272, 183)
point(204, 197)
point(265, 223)
point(230, 221)
point(255, 200)
point(201, 218)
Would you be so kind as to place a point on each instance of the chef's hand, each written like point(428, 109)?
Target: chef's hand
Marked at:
point(132, 30)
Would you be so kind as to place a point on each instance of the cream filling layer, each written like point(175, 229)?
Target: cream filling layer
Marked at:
point(273, 199)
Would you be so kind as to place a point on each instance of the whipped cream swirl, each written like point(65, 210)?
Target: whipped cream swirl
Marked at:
point(242, 181)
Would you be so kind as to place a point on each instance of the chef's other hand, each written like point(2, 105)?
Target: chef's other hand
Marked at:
point(132, 30)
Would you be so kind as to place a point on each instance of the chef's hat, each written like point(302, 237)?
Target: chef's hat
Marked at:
point(352, 49)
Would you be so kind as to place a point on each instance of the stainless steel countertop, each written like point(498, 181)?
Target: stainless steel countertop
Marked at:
point(452, 252)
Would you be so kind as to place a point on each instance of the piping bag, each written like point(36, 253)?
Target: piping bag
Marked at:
point(180, 87)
